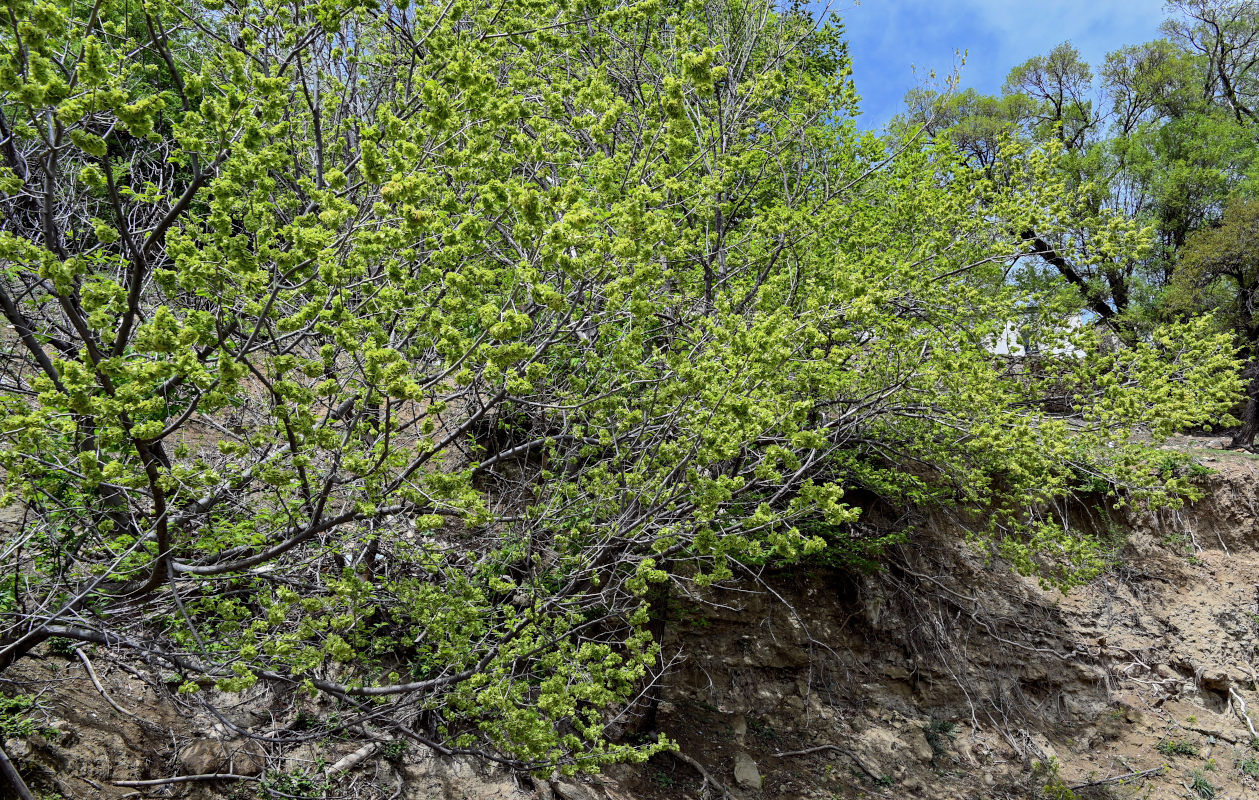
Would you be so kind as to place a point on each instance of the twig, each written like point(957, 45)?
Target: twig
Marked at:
point(698, 767)
point(842, 751)
point(1119, 778)
point(218, 776)
point(91, 673)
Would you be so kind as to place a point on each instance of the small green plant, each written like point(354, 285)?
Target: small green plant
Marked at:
point(939, 733)
point(395, 750)
point(688, 614)
point(884, 782)
point(294, 784)
point(1201, 786)
point(1054, 787)
point(763, 731)
point(1182, 465)
point(61, 646)
point(1177, 747)
point(1178, 540)
point(663, 779)
point(1249, 765)
point(15, 718)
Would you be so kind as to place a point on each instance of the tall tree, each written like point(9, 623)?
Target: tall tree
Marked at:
point(1164, 138)
point(1059, 85)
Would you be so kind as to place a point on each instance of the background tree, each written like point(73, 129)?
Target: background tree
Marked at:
point(1219, 271)
point(1164, 137)
point(1059, 86)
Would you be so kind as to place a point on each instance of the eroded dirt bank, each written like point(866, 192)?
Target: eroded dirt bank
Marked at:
point(943, 677)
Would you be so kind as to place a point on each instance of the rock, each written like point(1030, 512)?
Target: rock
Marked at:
point(18, 749)
point(430, 776)
point(739, 727)
point(746, 773)
point(202, 757)
point(208, 756)
point(921, 747)
point(1216, 680)
point(571, 791)
point(966, 751)
point(880, 747)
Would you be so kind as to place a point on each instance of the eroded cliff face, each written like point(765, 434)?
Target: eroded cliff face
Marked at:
point(950, 677)
point(942, 677)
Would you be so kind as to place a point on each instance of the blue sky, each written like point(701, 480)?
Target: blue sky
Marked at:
point(889, 39)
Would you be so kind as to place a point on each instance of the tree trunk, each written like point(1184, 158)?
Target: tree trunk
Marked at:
point(648, 703)
point(1245, 437)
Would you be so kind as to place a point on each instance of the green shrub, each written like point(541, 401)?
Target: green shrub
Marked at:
point(1249, 765)
point(1201, 786)
point(15, 719)
point(1177, 747)
point(939, 733)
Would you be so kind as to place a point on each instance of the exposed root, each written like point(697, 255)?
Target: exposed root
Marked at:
point(874, 776)
point(14, 777)
point(1240, 708)
point(219, 776)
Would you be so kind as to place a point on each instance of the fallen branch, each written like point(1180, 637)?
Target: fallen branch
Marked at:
point(698, 767)
point(217, 776)
point(1119, 778)
point(14, 777)
point(354, 759)
point(1240, 708)
point(91, 673)
point(874, 776)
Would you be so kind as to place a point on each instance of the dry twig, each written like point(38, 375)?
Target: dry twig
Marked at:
point(1130, 776)
point(91, 673)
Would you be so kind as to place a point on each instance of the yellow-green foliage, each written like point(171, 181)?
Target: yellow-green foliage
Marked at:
point(419, 345)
